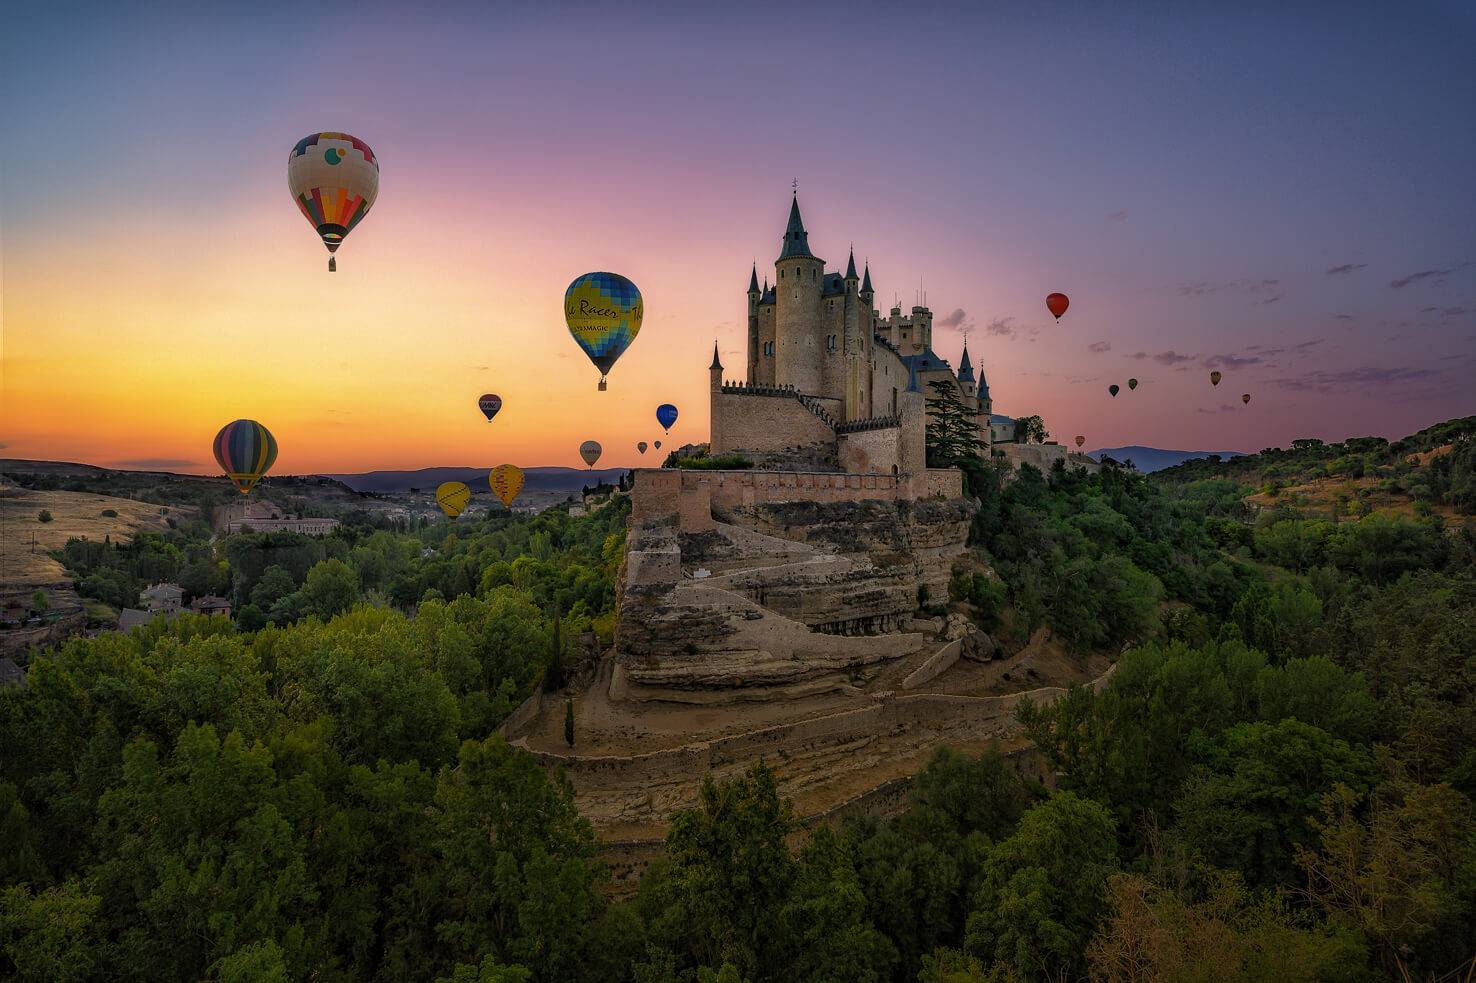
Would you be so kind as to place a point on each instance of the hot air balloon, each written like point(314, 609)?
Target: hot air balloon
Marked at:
point(1114, 390)
point(666, 415)
point(1080, 440)
point(641, 446)
point(1057, 304)
point(506, 481)
point(246, 451)
point(452, 497)
point(489, 404)
point(1132, 383)
point(658, 445)
point(1245, 397)
point(1215, 377)
point(590, 450)
point(334, 178)
point(603, 311)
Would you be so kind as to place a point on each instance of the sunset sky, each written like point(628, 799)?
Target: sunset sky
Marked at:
point(1287, 196)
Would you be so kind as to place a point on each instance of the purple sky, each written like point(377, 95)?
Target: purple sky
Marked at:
point(1288, 196)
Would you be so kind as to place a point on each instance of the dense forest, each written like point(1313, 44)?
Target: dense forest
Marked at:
point(1276, 782)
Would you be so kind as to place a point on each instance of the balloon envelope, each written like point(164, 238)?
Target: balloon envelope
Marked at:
point(1132, 383)
point(1080, 440)
point(452, 497)
point(1057, 304)
point(506, 481)
point(603, 311)
point(1245, 397)
point(590, 450)
point(641, 446)
point(1215, 378)
point(245, 451)
point(334, 178)
point(658, 445)
point(1113, 389)
point(666, 415)
point(489, 404)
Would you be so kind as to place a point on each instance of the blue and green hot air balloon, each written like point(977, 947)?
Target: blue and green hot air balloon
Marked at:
point(603, 311)
point(666, 415)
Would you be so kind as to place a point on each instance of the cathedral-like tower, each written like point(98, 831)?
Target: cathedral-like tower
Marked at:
point(754, 340)
point(798, 347)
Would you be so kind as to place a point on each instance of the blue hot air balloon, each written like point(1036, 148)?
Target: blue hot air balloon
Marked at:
point(666, 415)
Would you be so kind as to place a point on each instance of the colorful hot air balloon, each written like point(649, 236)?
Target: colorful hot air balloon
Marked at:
point(506, 481)
point(452, 497)
point(641, 446)
point(1132, 383)
point(246, 451)
point(658, 445)
point(1245, 397)
point(666, 415)
point(1057, 304)
point(489, 404)
point(1215, 377)
point(1080, 440)
point(591, 450)
point(604, 313)
point(334, 178)
point(1114, 390)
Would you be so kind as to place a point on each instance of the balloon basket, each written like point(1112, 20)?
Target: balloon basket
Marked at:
point(332, 264)
point(602, 385)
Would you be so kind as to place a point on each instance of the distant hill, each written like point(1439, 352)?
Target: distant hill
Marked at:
point(1148, 459)
point(534, 479)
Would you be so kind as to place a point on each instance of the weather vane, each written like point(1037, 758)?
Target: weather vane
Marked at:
point(795, 184)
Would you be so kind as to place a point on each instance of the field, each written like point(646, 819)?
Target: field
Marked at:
point(26, 542)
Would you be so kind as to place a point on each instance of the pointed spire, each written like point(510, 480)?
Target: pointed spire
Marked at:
point(866, 283)
point(796, 239)
point(717, 364)
point(753, 279)
point(983, 382)
point(966, 372)
point(851, 265)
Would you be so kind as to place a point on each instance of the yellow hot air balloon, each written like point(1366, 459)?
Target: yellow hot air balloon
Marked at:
point(452, 497)
point(506, 481)
point(334, 178)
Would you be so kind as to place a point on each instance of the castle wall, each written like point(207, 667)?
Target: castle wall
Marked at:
point(888, 375)
point(657, 493)
point(873, 451)
point(762, 374)
point(763, 427)
point(943, 483)
point(832, 360)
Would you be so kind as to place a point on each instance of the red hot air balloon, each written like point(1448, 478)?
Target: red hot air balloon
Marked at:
point(1057, 304)
point(489, 404)
point(1080, 440)
point(1245, 397)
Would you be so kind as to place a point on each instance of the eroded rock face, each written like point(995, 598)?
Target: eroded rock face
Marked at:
point(793, 594)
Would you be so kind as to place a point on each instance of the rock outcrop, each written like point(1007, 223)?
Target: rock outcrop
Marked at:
point(782, 598)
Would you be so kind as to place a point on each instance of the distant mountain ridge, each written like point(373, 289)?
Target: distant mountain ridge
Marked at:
point(534, 479)
point(1147, 459)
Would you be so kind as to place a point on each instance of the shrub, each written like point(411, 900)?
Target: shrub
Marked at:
point(110, 513)
point(43, 516)
point(723, 462)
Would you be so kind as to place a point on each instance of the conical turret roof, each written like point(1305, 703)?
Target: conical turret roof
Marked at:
point(796, 239)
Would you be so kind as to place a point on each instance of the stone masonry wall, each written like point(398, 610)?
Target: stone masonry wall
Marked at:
point(760, 426)
point(873, 451)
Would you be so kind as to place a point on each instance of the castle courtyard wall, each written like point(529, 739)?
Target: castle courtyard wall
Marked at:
point(757, 425)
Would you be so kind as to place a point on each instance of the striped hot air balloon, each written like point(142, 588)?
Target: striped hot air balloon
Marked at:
point(245, 450)
point(334, 179)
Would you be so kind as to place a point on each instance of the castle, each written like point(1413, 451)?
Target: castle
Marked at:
point(832, 385)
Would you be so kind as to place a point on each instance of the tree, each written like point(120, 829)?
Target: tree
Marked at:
point(43, 516)
point(952, 435)
point(40, 602)
point(1030, 430)
point(569, 722)
point(331, 588)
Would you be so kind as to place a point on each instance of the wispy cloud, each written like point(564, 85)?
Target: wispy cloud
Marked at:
point(1344, 317)
point(1345, 269)
point(1171, 357)
point(1099, 347)
point(954, 320)
point(1323, 380)
point(1002, 326)
point(1435, 276)
point(1222, 408)
point(1230, 361)
point(1117, 216)
point(1200, 288)
point(157, 462)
